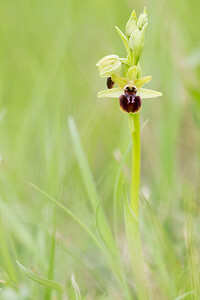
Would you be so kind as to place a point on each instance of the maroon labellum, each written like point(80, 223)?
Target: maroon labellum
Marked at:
point(110, 83)
point(129, 102)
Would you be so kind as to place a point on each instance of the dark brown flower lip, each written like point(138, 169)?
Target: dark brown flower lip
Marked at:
point(130, 103)
point(109, 83)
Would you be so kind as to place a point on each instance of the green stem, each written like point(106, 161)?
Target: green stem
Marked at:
point(134, 120)
point(135, 245)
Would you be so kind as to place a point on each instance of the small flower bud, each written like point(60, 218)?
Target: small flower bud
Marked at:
point(136, 43)
point(131, 24)
point(109, 65)
point(142, 20)
point(109, 83)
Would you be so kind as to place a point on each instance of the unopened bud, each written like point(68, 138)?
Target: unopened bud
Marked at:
point(131, 24)
point(142, 20)
point(109, 65)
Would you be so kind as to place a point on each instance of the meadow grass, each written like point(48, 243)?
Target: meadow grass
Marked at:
point(65, 155)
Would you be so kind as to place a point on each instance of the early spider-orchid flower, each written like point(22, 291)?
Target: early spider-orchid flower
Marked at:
point(129, 90)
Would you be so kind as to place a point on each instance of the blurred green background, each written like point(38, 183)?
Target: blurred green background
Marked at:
point(48, 52)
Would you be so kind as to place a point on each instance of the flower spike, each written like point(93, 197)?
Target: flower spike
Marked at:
point(126, 72)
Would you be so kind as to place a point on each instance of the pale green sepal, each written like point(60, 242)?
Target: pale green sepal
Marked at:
point(145, 93)
point(108, 65)
point(132, 73)
point(120, 81)
point(131, 24)
point(124, 40)
point(141, 81)
point(112, 93)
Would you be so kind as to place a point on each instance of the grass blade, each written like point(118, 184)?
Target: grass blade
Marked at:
point(43, 281)
point(71, 214)
point(76, 288)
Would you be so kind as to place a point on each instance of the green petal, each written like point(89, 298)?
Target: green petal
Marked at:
point(120, 81)
point(144, 93)
point(124, 40)
point(112, 93)
point(141, 81)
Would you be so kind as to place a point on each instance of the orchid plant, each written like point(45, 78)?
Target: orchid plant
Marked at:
point(124, 81)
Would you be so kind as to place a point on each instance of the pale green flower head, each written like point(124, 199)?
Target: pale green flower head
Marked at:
point(108, 65)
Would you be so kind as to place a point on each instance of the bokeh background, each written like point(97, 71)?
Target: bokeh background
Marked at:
point(48, 52)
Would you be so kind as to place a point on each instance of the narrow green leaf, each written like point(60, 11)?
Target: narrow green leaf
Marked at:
point(124, 40)
point(85, 171)
point(184, 295)
point(76, 288)
point(105, 234)
point(120, 81)
point(145, 93)
point(71, 214)
point(112, 93)
point(43, 281)
point(141, 81)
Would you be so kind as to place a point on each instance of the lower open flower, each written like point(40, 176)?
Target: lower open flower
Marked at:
point(130, 93)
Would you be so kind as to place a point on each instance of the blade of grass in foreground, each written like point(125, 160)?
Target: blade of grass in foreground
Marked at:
point(43, 281)
point(115, 265)
point(52, 256)
point(71, 214)
point(5, 258)
point(76, 288)
point(184, 295)
point(101, 221)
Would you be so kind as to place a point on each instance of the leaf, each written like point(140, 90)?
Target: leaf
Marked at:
point(76, 288)
point(145, 93)
point(124, 40)
point(141, 81)
point(112, 93)
point(71, 214)
point(184, 295)
point(105, 234)
point(89, 183)
point(43, 281)
point(120, 81)
point(132, 73)
point(84, 168)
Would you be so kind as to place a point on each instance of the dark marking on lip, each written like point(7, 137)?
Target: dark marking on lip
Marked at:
point(128, 89)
